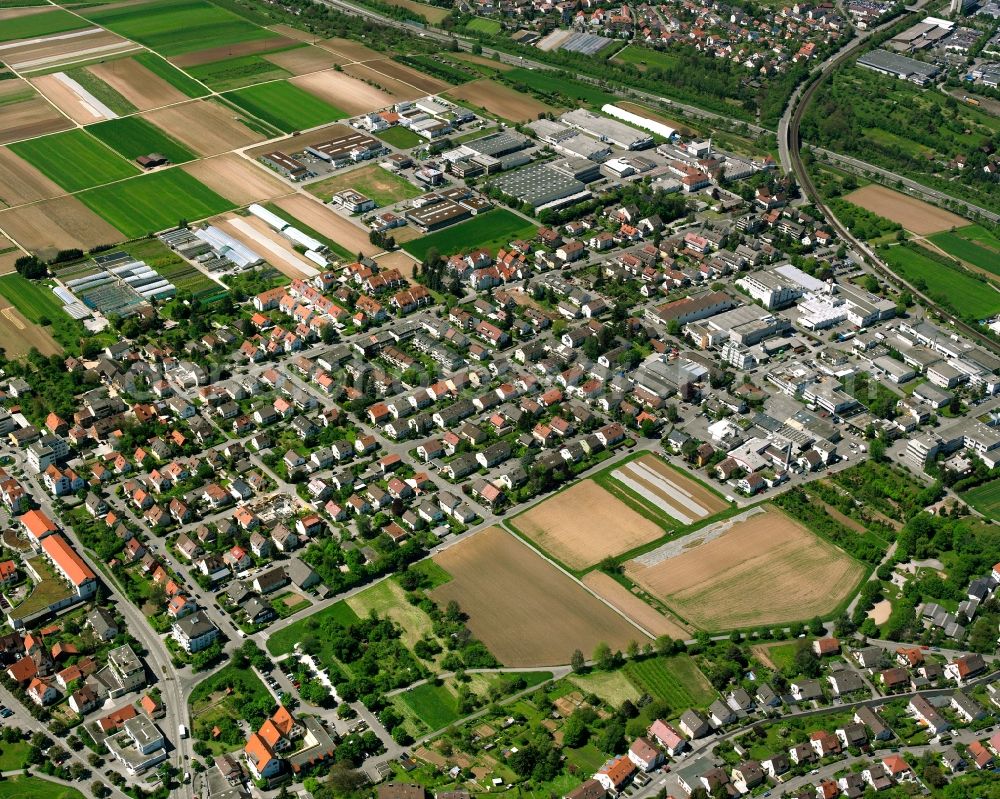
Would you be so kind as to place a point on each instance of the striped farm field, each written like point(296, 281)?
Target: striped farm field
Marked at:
point(677, 681)
point(285, 106)
point(74, 160)
point(977, 253)
point(134, 136)
point(154, 202)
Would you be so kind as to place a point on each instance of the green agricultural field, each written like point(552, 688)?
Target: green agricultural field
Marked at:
point(283, 641)
point(434, 705)
point(969, 251)
point(981, 236)
point(400, 137)
point(35, 300)
point(491, 230)
point(35, 788)
point(677, 681)
point(985, 499)
point(172, 27)
point(154, 202)
point(168, 72)
point(490, 26)
point(74, 159)
point(285, 106)
point(44, 23)
point(134, 136)
point(952, 287)
point(643, 57)
point(557, 85)
point(372, 180)
point(234, 73)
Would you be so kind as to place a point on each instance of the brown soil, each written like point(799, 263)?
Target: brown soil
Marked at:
point(304, 59)
point(397, 89)
point(425, 83)
point(60, 224)
point(18, 335)
point(642, 111)
point(483, 61)
point(21, 183)
point(237, 179)
point(92, 44)
point(650, 619)
point(205, 126)
point(350, 50)
point(762, 653)
point(766, 569)
point(500, 100)
point(881, 612)
point(527, 612)
point(314, 214)
point(256, 233)
point(68, 101)
point(135, 83)
point(230, 51)
point(14, 13)
point(295, 144)
point(913, 214)
point(584, 524)
point(398, 260)
point(29, 119)
point(343, 91)
point(673, 483)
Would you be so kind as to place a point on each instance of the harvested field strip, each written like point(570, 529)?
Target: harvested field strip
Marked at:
point(19, 333)
point(236, 179)
point(134, 136)
point(645, 483)
point(500, 100)
point(303, 60)
point(397, 89)
point(763, 568)
point(205, 126)
point(59, 224)
point(409, 75)
point(154, 202)
point(913, 214)
point(522, 608)
point(72, 98)
point(351, 94)
point(226, 52)
point(30, 118)
point(163, 69)
point(646, 617)
point(584, 524)
point(138, 85)
point(75, 160)
point(20, 182)
point(46, 54)
point(270, 245)
point(333, 227)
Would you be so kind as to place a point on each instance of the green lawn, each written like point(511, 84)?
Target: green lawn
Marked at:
point(74, 159)
point(969, 251)
point(34, 300)
point(134, 136)
point(372, 180)
point(172, 27)
point(587, 758)
point(952, 287)
point(44, 23)
point(642, 57)
point(490, 26)
point(282, 607)
point(154, 202)
point(283, 641)
point(285, 106)
point(13, 756)
point(434, 705)
point(234, 73)
point(243, 682)
point(677, 681)
point(981, 236)
point(985, 499)
point(35, 788)
point(491, 230)
point(168, 72)
point(400, 137)
point(432, 574)
point(613, 687)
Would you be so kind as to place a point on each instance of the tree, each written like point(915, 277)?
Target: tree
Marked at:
point(575, 732)
point(816, 626)
point(603, 658)
point(577, 662)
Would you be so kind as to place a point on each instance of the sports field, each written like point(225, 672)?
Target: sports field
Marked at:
point(950, 286)
point(44, 22)
point(913, 214)
point(585, 524)
point(134, 136)
point(285, 106)
point(526, 611)
point(154, 202)
point(760, 568)
point(491, 231)
point(981, 249)
point(676, 680)
point(372, 180)
point(74, 159)
point(172, 27)
point(985, 499)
